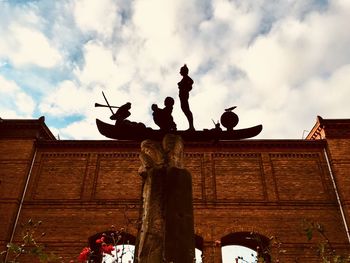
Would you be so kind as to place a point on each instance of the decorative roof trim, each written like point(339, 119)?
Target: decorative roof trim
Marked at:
point(220, 144)
point(25, 128)
point(330, 129)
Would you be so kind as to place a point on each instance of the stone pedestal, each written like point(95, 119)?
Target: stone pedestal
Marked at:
point(167, 229)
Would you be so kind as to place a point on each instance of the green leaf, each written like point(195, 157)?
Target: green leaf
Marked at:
point(309, 233)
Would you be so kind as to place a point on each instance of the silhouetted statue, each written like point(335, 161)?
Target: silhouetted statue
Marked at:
point(185, 86)
point(122, 113)
point(163, 117)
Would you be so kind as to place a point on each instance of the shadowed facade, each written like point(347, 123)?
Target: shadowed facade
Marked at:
point(80, 188)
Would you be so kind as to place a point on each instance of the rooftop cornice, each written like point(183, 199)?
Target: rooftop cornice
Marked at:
point(25, 129)
point(219, 144)
point(329, 129)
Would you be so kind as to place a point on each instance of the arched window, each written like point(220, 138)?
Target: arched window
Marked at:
point(124, 247)
point(244, 247)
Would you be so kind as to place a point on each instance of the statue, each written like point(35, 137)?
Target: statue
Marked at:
point(130, 130)
point(122, 113)
point(167, 229)
point(163, 117)
point(185, 86)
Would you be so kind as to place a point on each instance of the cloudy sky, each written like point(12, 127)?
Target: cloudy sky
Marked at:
point(281, 63)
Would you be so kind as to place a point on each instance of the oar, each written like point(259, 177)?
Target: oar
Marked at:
point(109, 106)
point(101, 105)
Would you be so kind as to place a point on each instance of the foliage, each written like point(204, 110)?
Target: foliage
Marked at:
point(105, 245)
point(29, 245)
point(267, 250)
point(325, 250)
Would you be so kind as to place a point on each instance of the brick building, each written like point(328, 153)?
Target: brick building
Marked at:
point(80, 188)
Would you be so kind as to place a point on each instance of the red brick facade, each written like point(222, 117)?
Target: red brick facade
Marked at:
point(79, 188)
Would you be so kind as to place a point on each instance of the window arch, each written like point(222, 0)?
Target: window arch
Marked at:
point(252, 241)
point(128, 239)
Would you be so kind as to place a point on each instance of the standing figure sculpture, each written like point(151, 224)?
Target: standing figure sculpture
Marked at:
point(185, 86)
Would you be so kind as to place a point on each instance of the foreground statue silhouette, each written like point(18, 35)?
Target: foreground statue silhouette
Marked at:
point(185, 86)
point(167, 228)
point(163, 117)
point(129, 130)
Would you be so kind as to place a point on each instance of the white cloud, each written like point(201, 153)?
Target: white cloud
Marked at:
point(241, 21)
point(282, 64)
point(85, 129)
point(22, 41)
point(66, 99)
point(30, 47)
point(99, 66)
point(14, 103)
point(331, 93)
point(155, 18)
point(298, 49)
point(98, 16)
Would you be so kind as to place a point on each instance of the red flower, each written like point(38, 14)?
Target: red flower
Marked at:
point(84, 254)
point(107, 248)
point(101, 240)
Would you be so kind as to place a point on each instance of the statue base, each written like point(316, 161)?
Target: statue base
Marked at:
point(167, 228)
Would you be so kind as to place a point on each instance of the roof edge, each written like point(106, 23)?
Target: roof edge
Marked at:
point(25, 129)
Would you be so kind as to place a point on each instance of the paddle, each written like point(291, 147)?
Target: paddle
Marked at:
point(101, 105)
point(109, 106)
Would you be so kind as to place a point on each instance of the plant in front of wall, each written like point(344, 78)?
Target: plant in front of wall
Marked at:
point(325, 250)
point(111, 246)
point(28, 246)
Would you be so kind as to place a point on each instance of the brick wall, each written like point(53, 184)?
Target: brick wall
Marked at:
point(15, 160)
point(80, 188)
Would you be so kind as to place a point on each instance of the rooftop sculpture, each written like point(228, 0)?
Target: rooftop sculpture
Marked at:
point(124, 129)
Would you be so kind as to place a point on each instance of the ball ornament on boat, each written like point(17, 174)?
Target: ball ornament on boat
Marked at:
point(229, 119)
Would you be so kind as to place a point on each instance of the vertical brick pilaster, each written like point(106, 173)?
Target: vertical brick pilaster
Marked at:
point(87, 191)
point(211, 253)
point(269, 178)
point(209, 180)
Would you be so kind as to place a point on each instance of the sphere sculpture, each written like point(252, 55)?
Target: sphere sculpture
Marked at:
point(229, 119)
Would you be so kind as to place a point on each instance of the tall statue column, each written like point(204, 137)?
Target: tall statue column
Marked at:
point(167, 227)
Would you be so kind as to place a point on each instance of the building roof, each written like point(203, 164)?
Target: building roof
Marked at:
point(330, 129)
point(25, 129)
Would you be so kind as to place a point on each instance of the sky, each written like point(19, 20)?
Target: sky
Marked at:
point(281, 62)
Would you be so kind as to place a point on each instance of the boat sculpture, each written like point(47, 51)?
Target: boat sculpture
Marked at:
point(137, 131)
point(124, 129)
point(141, 132)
